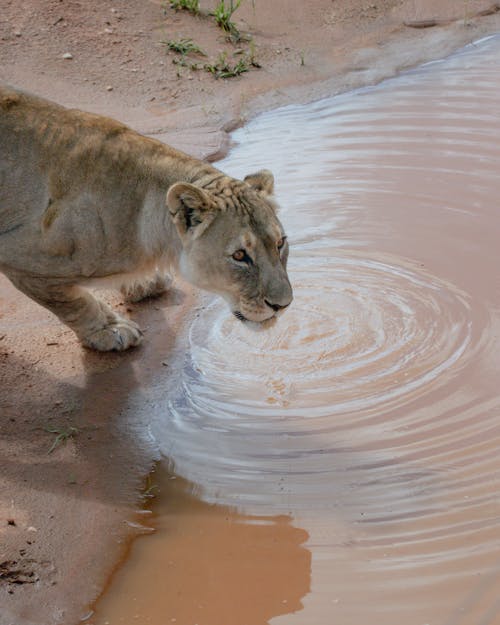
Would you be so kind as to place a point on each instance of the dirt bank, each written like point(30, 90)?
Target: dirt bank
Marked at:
point(63, 514)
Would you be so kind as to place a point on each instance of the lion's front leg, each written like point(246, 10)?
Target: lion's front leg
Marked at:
point(152, 286)
point(94, 322)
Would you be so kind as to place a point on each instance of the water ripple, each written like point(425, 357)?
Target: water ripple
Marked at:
point(371, 410)
point(363, 331)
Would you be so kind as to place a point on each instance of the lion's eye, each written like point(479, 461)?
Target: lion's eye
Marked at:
point(280, 243)
point(241, 256)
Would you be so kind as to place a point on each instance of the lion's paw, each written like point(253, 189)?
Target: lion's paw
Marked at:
point(118, 335)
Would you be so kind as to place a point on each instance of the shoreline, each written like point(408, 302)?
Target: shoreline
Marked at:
point(72, 508)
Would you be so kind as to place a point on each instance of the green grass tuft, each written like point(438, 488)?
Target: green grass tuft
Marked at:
point(223, 69)
point(223, 14)
point(193, 6)
point(183, 46)
point(62, 435)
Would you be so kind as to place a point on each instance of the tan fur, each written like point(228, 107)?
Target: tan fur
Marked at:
point(84, 200)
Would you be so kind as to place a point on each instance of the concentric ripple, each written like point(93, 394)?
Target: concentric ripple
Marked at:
point(370, 411)
point(362, 331)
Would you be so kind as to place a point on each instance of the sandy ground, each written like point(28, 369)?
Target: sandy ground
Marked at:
point(64, 508)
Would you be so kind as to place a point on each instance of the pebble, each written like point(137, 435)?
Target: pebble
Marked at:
point(109, 88)
point(67, 55)
point(17, 33)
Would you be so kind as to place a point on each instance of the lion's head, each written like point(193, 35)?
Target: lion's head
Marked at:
point(233, 243)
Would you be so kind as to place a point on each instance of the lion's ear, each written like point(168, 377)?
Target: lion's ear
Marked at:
point(190, 208)
point(262, 181)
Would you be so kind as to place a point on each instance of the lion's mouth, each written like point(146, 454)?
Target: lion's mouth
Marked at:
point(239, 315)
point(264, 323)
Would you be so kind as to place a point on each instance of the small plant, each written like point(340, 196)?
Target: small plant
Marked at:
point(223, 69)
point(182, 62)
point(466, 13)
point(184, 46)
point(193, 6)
point(222, 15)
point(150, 489)
point(62, 435)
point(251, 58)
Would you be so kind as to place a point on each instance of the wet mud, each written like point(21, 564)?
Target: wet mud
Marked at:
point(344, 465)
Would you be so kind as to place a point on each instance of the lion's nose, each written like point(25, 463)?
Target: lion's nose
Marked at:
point(276, 307)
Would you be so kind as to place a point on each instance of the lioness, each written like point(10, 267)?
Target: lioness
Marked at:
point(85, 200)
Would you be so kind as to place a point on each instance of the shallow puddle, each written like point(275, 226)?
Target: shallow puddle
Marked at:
point(346, 463)
point(208, 564)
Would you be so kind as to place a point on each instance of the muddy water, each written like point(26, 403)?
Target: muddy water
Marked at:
point(345, 465)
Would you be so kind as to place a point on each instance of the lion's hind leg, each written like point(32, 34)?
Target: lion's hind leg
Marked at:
point(152, 286)
point(94, 322)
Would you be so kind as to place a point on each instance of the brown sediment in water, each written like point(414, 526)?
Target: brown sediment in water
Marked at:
point(69, 506)
point(208, 564)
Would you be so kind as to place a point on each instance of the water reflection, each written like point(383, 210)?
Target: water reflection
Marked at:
point(207, 564)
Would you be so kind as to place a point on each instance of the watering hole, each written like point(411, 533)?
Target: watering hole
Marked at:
point(344, 466)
